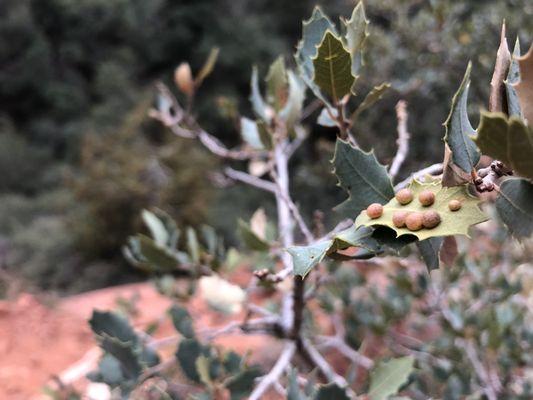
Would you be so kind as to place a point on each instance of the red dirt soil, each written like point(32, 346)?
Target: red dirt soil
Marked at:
point(39, 342)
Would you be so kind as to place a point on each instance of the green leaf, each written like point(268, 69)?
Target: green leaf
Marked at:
point(354, 237)
point(388, 377)
point(515, 206)
point(452, 222)
point(258, 104)
point(306, 258)
point(241, 385)
point(182, 321)
point(113, 325)
point(371, 98)
point(362, 176)
point(292, 111)
point(331, 391)
point(493, 136)
point(332, 66)
point(208, 66)
point(276, 84)
point(513, 77)
point(156, 227)
point(159, 257)
point(430, 250)
point(313, 31)
point(521, 147)
point(109, 371)
point(356, 34)
point(250, 133)
point(193, 247)
point(250, 239)
point(202, 368)
point(459, 131)
point(125, 354)
point(508, 140)
point(188, 352)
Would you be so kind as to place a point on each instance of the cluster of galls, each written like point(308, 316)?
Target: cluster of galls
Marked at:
point(486, 178)
point(413, 220)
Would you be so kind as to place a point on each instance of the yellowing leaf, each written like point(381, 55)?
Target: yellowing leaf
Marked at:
point(333, 67)
point(276, 84)
point(452, 222)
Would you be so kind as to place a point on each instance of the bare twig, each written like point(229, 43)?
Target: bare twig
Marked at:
point(340, 345)
point(323, 365)
point(434, 169)
point(479, 368)
point(173, 116)
point(250, 180)
point(297, 216)
point(275, 373)
point(403, 139)
point(337, 341)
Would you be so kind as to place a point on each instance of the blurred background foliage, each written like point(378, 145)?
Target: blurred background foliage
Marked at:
point(79, 158)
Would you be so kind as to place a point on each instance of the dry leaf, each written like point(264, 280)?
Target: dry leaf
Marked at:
point(524, 88)
point(497, 87)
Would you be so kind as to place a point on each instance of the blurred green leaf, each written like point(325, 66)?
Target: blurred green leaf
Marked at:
point(277, 84)
point(388, 377)
point(182, 321)
point(292, 111)
point(241, 385)
point(258, 104)
point(370, 99)
point(331, 391)
point(250, 239)
point(188, 352)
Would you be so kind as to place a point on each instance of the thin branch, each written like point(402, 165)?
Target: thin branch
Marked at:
point(250, 180)
point(434, 169)
point(297, 216)
point(353, 355)
point(403, 139)
point(310, 109)
point(172, 115)
point(275, 373)
point(337, 341)
point(323, 365)
point(479, 368)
